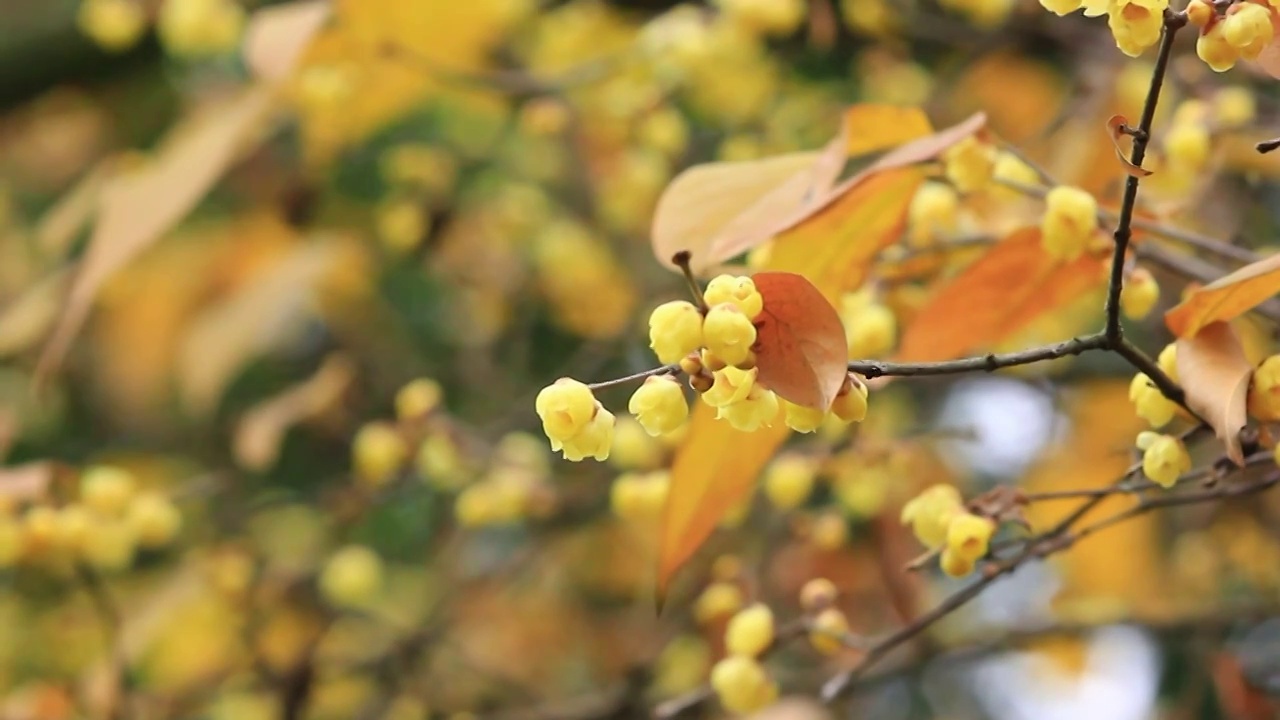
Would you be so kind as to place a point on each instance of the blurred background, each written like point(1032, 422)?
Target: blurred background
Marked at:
point(266, 415)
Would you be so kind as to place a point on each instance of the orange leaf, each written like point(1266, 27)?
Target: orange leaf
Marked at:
point(1002, 292)
point(277, 37)
point(136, 208)
point(835, 246)
point(1215, 375)
point(713, 471)
point(801, 350)
point(1226, 298)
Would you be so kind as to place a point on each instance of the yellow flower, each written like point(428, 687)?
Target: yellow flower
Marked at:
point(929, 514)
point(675, 330)
point(1070, 219)
point(728, 333)
point(566, 408)
point(659, 405)
point(737, 290)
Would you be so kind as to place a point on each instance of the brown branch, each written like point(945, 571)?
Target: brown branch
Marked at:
point(1141, 136)
point(661, 370)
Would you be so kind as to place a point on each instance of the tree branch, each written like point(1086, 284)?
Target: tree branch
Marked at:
point(980, 363)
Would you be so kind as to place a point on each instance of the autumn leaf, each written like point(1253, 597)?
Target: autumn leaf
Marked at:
point(1215, 374)
point(713, 471)
point(136, 208)
point(871, 127)
point(801, 350)
point(277, 36)
point(1226, 298)
point(261, 431)
point(1000, 293)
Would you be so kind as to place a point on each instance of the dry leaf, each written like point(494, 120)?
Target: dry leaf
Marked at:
point(261, 431)
point(137, 207)
point(259, 316)
point(713, 471)
point(277, 36)
point(1002, 292)
point(801, 350)
point(707, 202)
point(1118, 127)
point(61, 223)
point(1226, 298)
point(26, 483)
point(1215, 374)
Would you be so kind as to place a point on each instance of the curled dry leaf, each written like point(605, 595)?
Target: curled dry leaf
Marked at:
point(261, 431)
point(1215, 374)
point(1118, 127)
point(801, 350)
point(137, 207)
point(1226, 298)
point(278, 35)
point(1002, 292)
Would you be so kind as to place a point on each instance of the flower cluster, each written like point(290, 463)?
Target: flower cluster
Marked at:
point(939, 520)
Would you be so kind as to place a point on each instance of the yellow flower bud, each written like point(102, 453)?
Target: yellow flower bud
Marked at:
point(659, 405)
point(418, 398)
point(378, 452)
point(155, 520)
point(1234, 106)
point(1214, 50)
point(351, 577)
point(730, 386)
point(1187, 145)
point(871, 329)
point(828, 630)
point(818, 594)
point(969, 164)
point(640, 497)
point(1168, 361)
point(675, 330)
point(633, 447)
point(114, 25)
point(829, 531)
point(1061, 7)
point(594, 441)
point(1070, 219)
point(1149, 403)
point(716, 601)
point(728, 333)
point(969, 536)
point(933, 213)
point(736, 290)
point(106, 490)
point(742, 685)
point(851, 405)
point(758, 409)
point(441, 464)
point(1136, 24)
point(1248, 28)
point(109, 545)
point(788, 480)
point(1139, 295)
point(1200, 13)
point(1165, 460)
point(929, 514)
point(1264, 392)
point(566, 408)
point(749, 631)
point(955, 565)
point(803, 419)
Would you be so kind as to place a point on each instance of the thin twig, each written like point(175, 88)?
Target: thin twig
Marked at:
point(660, 370)
point(980, 363)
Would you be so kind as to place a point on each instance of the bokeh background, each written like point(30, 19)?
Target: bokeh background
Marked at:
point(288, 464)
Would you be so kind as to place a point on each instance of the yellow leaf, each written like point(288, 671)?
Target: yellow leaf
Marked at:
point(713, 471)
point(1006, 289)
point(277, 36)
point(61, 223)
point(871, 127)
point(1215, 375)
point(262, 429)
point(137, 207)
point(1226, 298)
